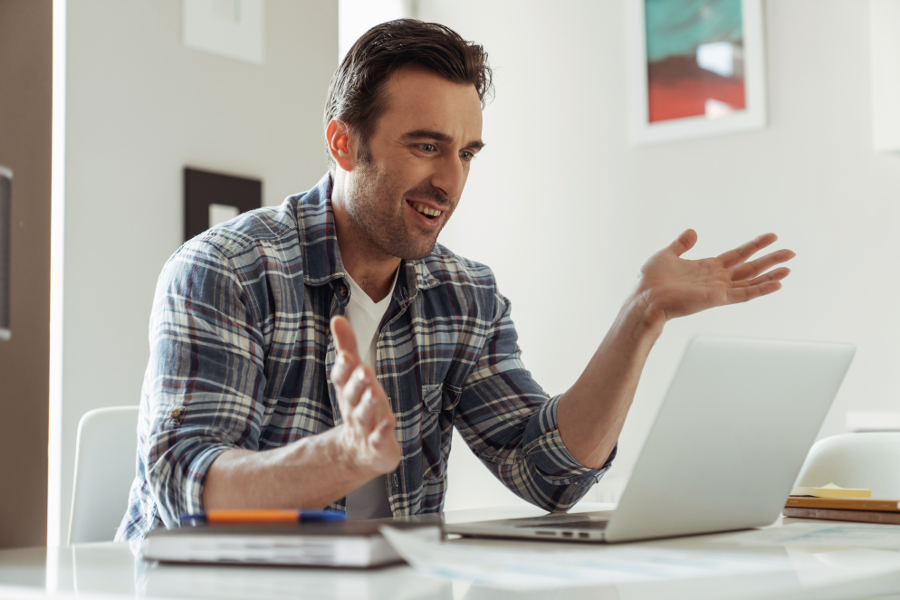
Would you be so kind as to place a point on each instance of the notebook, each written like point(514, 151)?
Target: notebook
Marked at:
point(333, 543)
point(860, 516)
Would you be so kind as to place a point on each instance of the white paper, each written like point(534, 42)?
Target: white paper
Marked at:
point(524, 569)
point(862, 535)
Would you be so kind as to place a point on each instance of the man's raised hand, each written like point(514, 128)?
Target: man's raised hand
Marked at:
point(367, 432)
point(671, 287)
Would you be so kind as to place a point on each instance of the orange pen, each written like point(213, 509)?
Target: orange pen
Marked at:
point(264, 516)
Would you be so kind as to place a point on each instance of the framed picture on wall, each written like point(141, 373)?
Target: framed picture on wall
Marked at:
point(213, 198)
point(697, 68)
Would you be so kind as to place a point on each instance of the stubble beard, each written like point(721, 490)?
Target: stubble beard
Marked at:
point(377, 209)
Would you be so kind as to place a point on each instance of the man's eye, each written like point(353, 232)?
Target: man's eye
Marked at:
point(466, 156)
point(427, 147)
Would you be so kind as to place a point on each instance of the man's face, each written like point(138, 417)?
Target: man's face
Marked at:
point(403, 192)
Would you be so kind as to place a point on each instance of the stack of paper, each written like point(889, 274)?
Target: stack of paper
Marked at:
point(556, 566)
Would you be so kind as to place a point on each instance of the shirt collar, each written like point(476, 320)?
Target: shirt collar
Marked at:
point(321, 254)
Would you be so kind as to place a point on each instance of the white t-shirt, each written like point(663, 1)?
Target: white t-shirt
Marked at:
point(370, 501)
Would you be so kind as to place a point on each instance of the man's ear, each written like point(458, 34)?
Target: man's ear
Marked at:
point(340, 145)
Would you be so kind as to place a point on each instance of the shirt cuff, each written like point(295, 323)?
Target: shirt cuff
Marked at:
point(195, 478)
point(548, 452)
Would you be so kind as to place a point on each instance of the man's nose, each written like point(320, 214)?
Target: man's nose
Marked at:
point(449, 176)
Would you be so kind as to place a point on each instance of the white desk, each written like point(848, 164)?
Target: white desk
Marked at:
point(110, 569)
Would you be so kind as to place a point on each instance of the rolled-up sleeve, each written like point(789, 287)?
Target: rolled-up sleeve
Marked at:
point(510, 423)
point(205, 379)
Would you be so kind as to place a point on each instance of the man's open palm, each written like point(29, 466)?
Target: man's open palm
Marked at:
point(675, 287)
point(367, 433)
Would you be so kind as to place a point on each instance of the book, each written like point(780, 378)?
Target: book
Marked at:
point(843, 503)
point(331, 543)
point(831, 491)
point(862, 516)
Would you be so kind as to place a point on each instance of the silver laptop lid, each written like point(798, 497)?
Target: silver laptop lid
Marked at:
point(730, 437)
point(724, 450)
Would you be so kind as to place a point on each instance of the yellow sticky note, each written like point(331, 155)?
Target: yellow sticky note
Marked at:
point(831, 491)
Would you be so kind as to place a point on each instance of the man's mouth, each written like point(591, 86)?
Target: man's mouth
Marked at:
point(429, 213)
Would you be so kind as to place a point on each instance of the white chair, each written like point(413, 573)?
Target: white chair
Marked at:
point(856, 460)
point(104, 469)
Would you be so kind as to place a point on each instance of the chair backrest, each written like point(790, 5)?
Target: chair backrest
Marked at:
point(868, 460)
point(104, 469)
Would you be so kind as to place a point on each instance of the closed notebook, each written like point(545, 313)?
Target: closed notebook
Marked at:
point(843, 503)
point(333, 543)
point(860, 516)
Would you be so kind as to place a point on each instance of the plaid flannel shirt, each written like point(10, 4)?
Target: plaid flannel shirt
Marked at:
point(240, 356)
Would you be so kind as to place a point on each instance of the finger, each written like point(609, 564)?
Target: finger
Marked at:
point(684, 242)
point(383, 433)
point(745, 251)
point(744, 294)
point(762, 264)
point(776, 275)
point(344, 338)
point(372, 407)
point(343, 369)
point(352, 392)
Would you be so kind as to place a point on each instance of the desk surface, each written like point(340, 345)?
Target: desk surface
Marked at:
point(106, 569)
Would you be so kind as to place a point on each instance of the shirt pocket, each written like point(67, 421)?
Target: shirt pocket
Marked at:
point(439, 406)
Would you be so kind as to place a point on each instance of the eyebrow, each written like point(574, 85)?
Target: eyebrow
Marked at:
point(427, 134)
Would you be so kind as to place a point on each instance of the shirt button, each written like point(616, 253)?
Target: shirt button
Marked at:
point(328, 332)
point(342, 291)
point(176, 413)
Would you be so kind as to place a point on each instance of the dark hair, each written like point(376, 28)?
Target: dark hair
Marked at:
point(356, 94)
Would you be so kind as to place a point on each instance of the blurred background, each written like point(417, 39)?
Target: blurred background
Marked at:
point(562, 203)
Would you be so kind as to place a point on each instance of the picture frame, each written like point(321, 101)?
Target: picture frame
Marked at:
point(719, 88)
point(211, 198)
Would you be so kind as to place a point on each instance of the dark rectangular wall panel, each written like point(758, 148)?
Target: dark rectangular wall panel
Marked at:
point(202, 188)
point(5, 192)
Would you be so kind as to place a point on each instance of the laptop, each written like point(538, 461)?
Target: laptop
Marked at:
point(725, 448)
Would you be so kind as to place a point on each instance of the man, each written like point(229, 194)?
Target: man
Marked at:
point(261, 393)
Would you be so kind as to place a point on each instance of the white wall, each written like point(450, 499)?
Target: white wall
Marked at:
point(355, 17)
point(559, 203)
point(141, 106)
point(565, 210)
